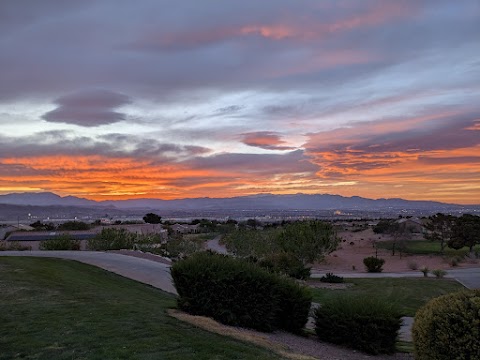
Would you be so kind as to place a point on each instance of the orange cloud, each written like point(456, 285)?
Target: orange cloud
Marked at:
point(100, 177)
point(265, 140)
point(276, 32)
point(305, 29)
point(427, 157)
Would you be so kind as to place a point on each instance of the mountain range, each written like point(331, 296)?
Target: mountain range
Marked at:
point(251, 202)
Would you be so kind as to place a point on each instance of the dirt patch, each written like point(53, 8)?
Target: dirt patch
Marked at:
point(250, 336)
point(355, 246)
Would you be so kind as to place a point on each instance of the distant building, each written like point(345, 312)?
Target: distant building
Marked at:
point(185, 229)
point(12, 228)
point(143, 229)
point(34, 238)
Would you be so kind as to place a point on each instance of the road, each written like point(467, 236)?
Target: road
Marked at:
point(149, 272)
point(215, 245)
point(469, 278)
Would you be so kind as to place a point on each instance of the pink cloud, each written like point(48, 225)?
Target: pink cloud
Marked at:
point(265, 140)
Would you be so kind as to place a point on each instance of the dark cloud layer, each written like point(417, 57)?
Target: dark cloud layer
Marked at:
point(65, 143)
point(157, 48)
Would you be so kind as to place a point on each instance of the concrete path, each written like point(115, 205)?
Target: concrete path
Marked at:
point(215, 245)
point(470, 278)
point(149, 272)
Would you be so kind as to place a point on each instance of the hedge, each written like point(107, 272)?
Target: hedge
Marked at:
point(236, 292)
point(367, 324)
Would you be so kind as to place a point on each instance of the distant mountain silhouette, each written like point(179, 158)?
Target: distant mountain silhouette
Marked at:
point(44, 199)
point(253, 202)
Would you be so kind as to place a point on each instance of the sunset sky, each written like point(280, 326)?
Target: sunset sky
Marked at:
point(172, 99)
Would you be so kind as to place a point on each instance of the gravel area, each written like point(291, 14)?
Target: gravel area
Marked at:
point(324, 351)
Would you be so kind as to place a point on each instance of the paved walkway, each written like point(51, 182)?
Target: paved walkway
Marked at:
point(215, 245)
point(146, 271)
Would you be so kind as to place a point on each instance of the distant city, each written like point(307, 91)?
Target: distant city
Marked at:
point(26, 208)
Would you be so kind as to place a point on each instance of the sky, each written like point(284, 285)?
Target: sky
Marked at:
point(119, 99)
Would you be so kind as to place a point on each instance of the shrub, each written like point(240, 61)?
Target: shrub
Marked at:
point(412, 265)
point(13, 245)
point(74, 225)
point(363, 323)
point(236, 292)
point(294, 306)
point(424, 270)
point(287, 264)
point(448, 327)
point(439, 273)
point(332, 279)
point(112, 239)
point(61, 242)
point(373, 264)
point(455, 260)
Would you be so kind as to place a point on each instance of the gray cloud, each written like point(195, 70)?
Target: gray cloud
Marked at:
point(55, 48)
point(88, 108)
point(53, 143)
point(289, 163)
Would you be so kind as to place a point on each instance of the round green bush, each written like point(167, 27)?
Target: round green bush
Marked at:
point(448, 327)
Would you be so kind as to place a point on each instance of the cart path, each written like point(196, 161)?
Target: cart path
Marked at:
point(153, 273)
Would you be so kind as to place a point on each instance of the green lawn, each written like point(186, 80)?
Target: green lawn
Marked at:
point(408, 293)
point(425, 247)
point(61, 309)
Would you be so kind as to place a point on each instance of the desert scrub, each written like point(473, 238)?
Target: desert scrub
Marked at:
point(439, 273)
point(373, 264)
point(331, 278)
point(112, 239)
point(61, 242)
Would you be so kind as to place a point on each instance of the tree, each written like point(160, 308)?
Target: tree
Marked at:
point(38, 225)
point(383, 226)
point(439, 229)
point(309, 241)
point(74, 225)
point(465, 232)
point(399, 234)
point(152, 218)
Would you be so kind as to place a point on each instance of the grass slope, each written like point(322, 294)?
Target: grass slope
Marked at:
point(409, 294)
point(61, 309)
